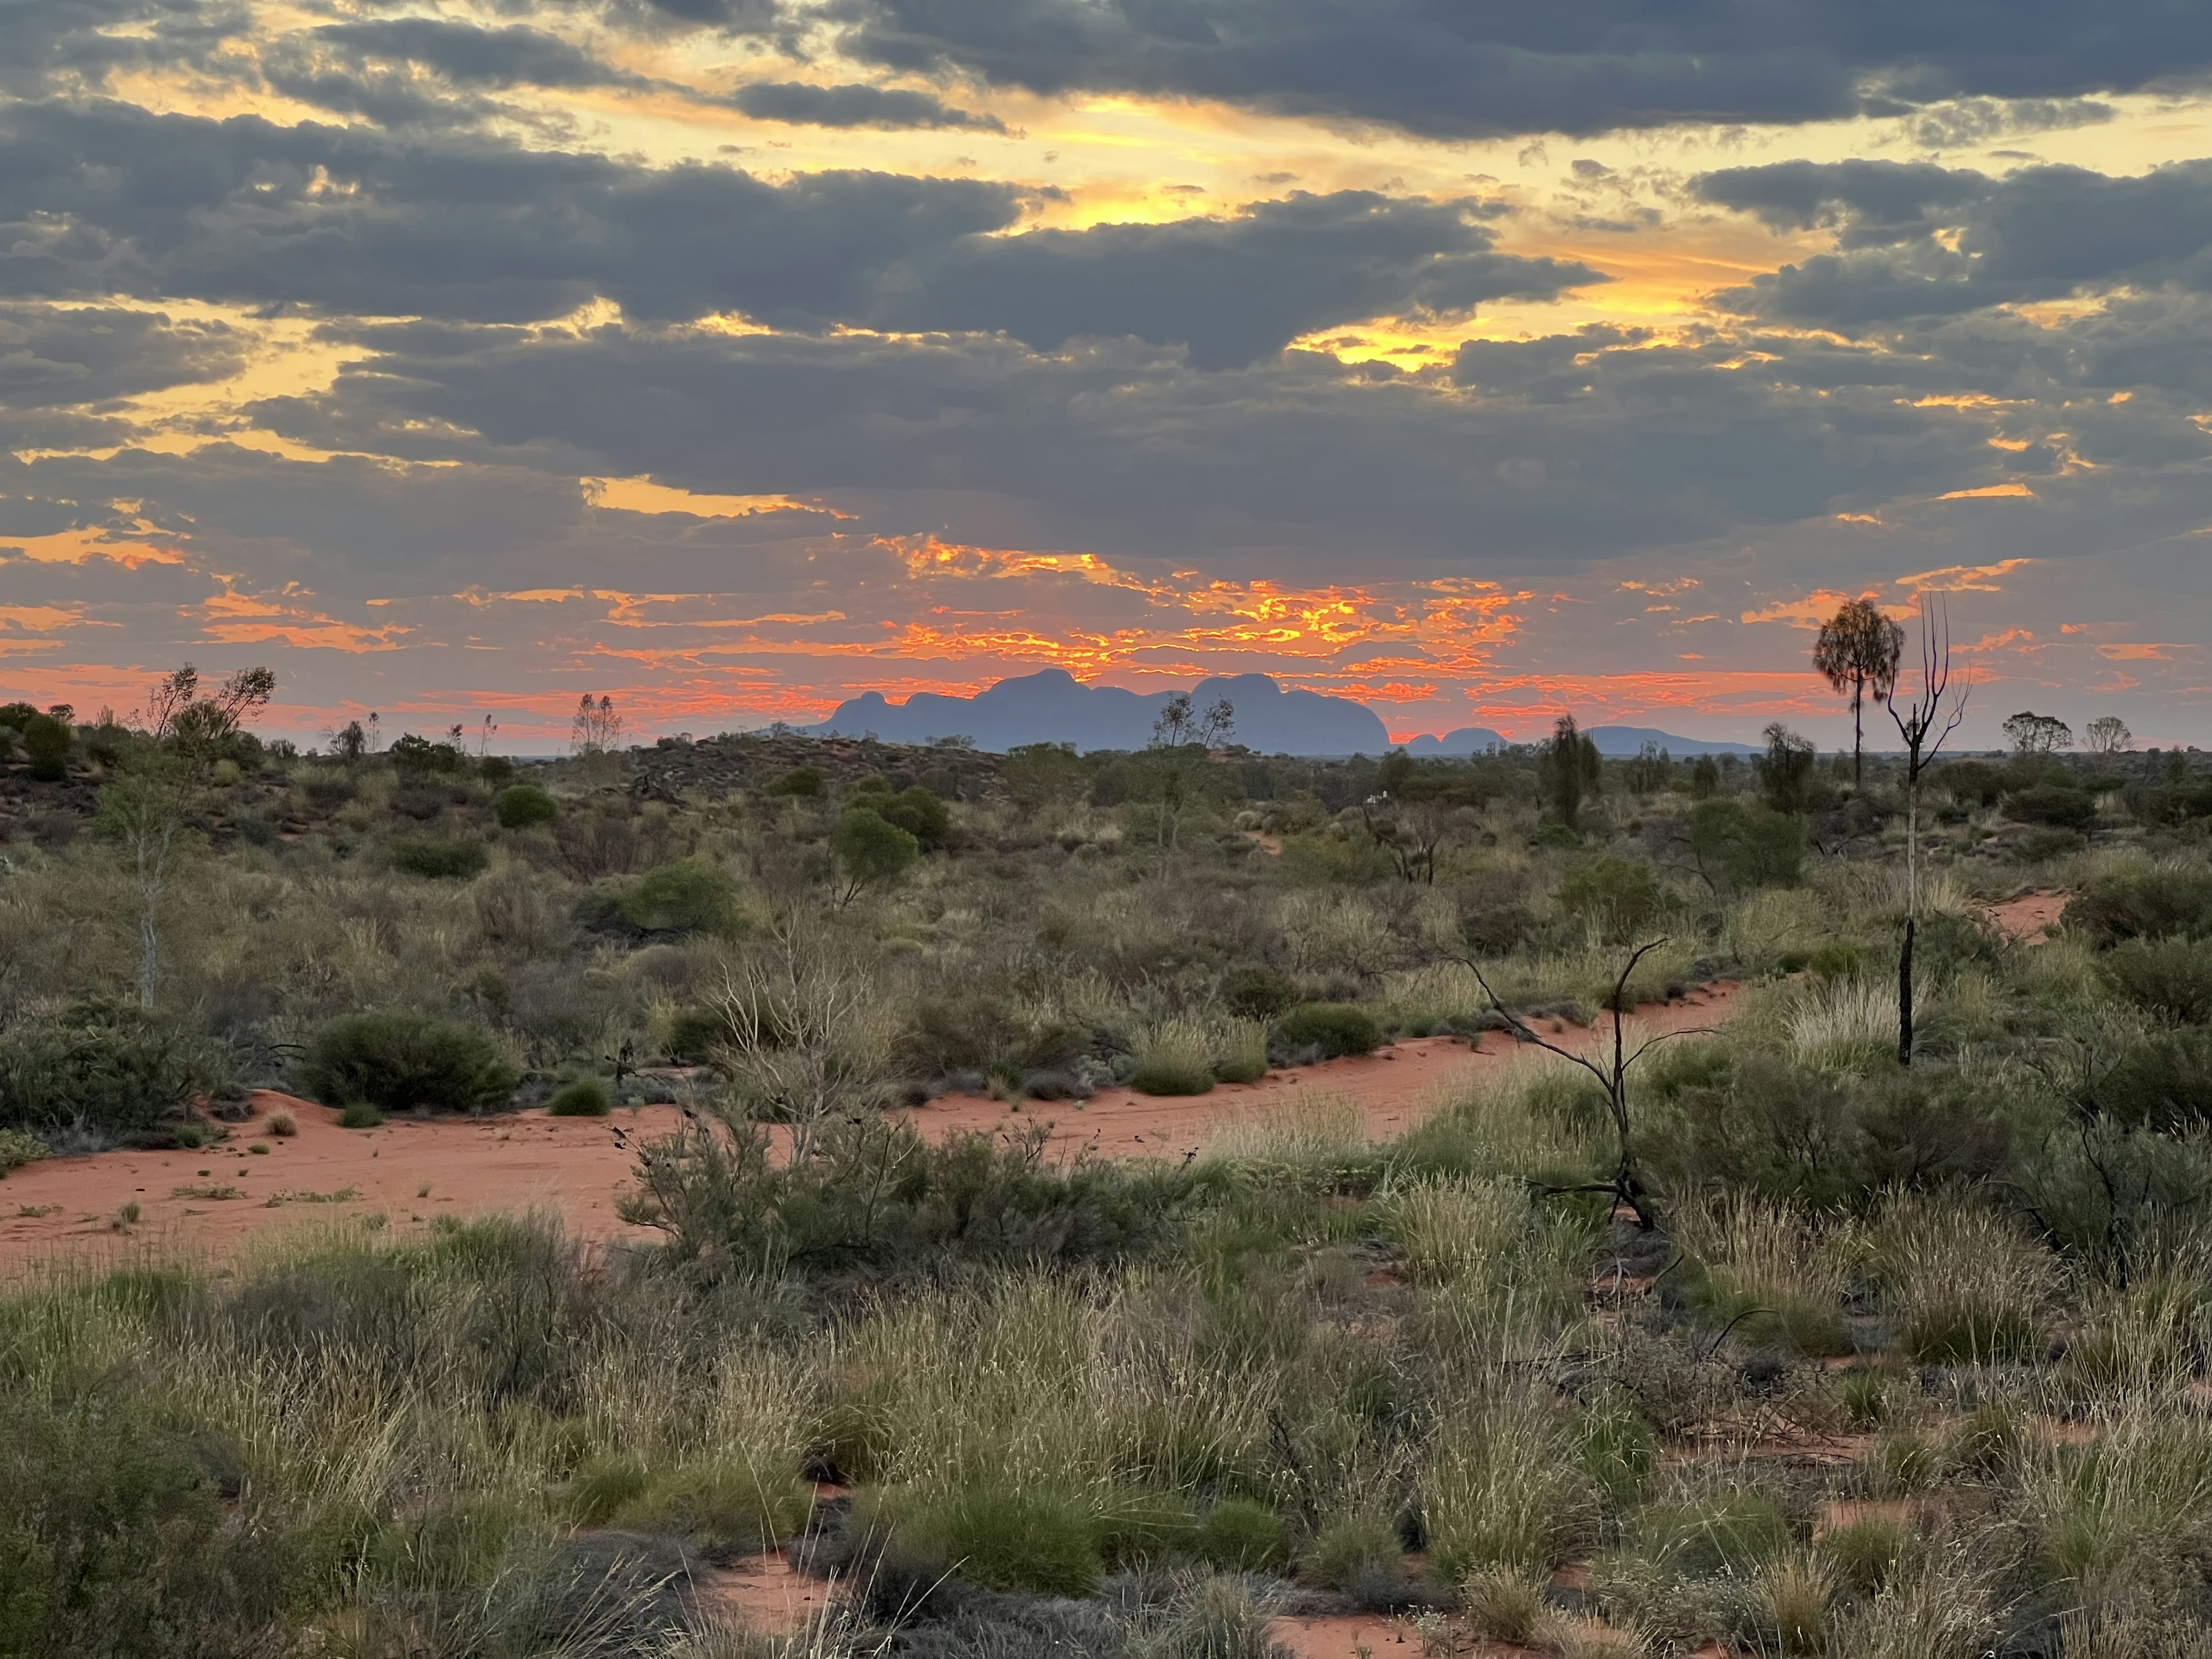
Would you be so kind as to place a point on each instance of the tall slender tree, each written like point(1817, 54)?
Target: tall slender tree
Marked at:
point(1925, 720)
point(1858, 651)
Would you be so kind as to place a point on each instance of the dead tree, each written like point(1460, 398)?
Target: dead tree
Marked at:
point(1933, 714)
point(1626, 1186)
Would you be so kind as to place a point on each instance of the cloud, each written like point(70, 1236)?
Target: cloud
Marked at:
point(1493, 67)
point(1918, 240)
point(802, 104)
point(52, 356)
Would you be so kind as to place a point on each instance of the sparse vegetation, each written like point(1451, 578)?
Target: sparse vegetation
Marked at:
point(1766, 1340)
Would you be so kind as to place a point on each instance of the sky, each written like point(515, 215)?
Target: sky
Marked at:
point(1481, 360)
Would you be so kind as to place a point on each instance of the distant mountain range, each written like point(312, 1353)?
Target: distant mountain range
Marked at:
point(1052, 705)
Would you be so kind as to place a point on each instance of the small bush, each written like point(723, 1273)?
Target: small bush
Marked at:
point(801, 782)
point(681, 898)
point(17, 1149)
point(439, 858)
point(1038, 1541)
point(282, 1125)
point(1133, 1526)
point(919, 813)
point(2171, 978)
point(1175, 1060)
point(585, 1097)
point(1337, 1028)
point(2144, 904)
point(726, 1508)
point(2053, 806)
point(360, 1115)
point(603, 1487)
point(2165, 1083)
point(1621, 895)
point(397, 1060)
point(1733, 1533)
point(520, 806)
point(1503, 1604)
point(1254, 992)
point(1353, 1550)
point(46, 741)
point(1863, 1552)
point(115, 1072)
point(1243, 1535)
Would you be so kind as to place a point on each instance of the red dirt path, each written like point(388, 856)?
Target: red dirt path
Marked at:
point(573, 1167)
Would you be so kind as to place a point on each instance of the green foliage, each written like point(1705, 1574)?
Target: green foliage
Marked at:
point(603, 1487)
point(46, 741)
point(1243, 1534)
point(1337, 1028)
point(587, 1096)
point(397, 1060)
point(1740, 847)
point(1731, 1531)
point(1139, 1525)
point(725, 1506)
point(1252, 991)
point(1044, 774)
point(682, 898)
point(18, 1148)
point(2144, 903)
point(2054, 806)
point(2165, 1083)
point(2171, 978)
point(1354, 1551)
point(114, 1543)
point(1174, 1061)
point(870, 849)
point(441, 858)
point(1621, 895)
point(1005, 1539)
point(497, 770)
point(360, 1115)
point(1785, 770)
point(1864, 1552)
point(875, 1191)
point(412, 754)
point(113, 1071)
point(521, 805)
point(800, 783)
point(919, 813)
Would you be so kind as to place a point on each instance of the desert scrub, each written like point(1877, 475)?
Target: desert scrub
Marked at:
point(1242, 1052)
point(1500, 1485)
point(100, 1069)
point(1768, 1271)
point(521, 805)
point(18, 1148)
point(1335, 1029)
point(396, 1061)
point(439, 858)
point(587, 1096)
point(1176, 1059)
point(1964, 1287)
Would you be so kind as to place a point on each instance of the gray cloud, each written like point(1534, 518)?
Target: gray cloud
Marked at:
point(801, 104)
point(50, 356)
point(112, 199)
point(1485, 68)
point(1925, 241)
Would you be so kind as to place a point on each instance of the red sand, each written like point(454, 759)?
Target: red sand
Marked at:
point(410, 1172)
point(2030, 917)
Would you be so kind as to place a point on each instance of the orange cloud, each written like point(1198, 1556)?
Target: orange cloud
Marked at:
point(1988, 492)
point(1963, 578)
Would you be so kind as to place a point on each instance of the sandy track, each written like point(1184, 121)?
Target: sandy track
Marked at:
point(209, 1202)
point(2030, 917)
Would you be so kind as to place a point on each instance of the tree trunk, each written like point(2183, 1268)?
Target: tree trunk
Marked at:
point(1858, 736)
point(1905, 996)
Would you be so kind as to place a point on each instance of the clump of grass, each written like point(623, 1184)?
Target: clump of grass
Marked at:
point(1353, 1550)
point(1176, 1059)
point(1503, 1604)
point(726, 1506)
point(1790, 1604)
point(360, 1115)
point(1336, 1029)
point(1238, 1533)
point(1242, 1056)
point(282, 1125)
point(207, 1192)
point(1769, 1270)
point(18, 1148)
point(601, 1487)
point(1501, 1485)
point(1966, 1288)
point(587, 1096)
point(1862, 1554)
point(1036, 1541)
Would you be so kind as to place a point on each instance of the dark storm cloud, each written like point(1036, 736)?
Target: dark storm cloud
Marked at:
point(112, 199)
point(53, 356)
point(1131, 450)
point(43, 42)
point(802, 105)
point(467, 56)
point(1236, 289)
point(1923, 241)
point(1496, 67)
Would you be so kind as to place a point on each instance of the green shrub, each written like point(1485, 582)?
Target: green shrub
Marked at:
point(603, 1487)
point(1740, 846)
point(2053, 806)
point(1144, 1525)
point(2165, 1083)
point(681, 898)
point(396, 1061)
point(801, 782)
point(1864, 1552)
point(497, 770)
point(520, 806)
point(1733, 1533)
point(585, 1097)
point(1621, 895)
point(1254, 992)
point(1036, 1541)
point(360, 1115)
point(439, 858)
point(724, 1507)
point(2144, 904)
point(418, 755)
point(18, 1148)
point(919, 813)
point(1243, 1058)
point(1243, 1535)
point(2170, 978)
point(110, 1070)
point(1353, 1550)
point(870, 849)
point(46, 741)
point(1174, 1061)
point(1337, 1028)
